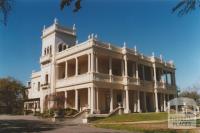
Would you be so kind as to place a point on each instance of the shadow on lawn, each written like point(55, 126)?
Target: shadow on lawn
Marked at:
point(19, 126)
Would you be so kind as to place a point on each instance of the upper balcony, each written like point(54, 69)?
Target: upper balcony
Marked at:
point(45, 59)
point(90, 77)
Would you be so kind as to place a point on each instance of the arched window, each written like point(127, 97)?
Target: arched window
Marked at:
point(38, 86)
point(59, 47)
point(46, 79)
point(45, 51)
point(64, 47)
point(48, 50)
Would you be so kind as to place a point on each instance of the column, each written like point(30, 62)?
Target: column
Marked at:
point(154, 73)
point(138, 101)
point(164, 103)
point(127, 110)
point(122, 67)
point(135, 101)
point(42, 105)
point(76, 66)
point(66, 69)
point(92, 99)
point(76, 99)
point(89, 63)
point(156, 100)
point(110, 68)
point(124, 99)
point(65, 99)
point(111, 100)
point(96, 63)
point(92, 62)
point(136, 72)
point(110, 65)
point(97, 99)
point(89, 100)
point(126, 65)
point(145, 102)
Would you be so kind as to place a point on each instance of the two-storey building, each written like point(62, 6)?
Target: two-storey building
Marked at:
point(98, 75)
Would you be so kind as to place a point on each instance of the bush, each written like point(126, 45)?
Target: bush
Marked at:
point(48, 113)
point(27, 112)
point(61, 112)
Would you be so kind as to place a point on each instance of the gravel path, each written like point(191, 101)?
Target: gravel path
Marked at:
point(31, 124)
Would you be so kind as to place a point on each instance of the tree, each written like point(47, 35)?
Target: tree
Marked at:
point(190, 94)
point(5, 8)
point(12, 94)
point(77, 4)
point(186, 6)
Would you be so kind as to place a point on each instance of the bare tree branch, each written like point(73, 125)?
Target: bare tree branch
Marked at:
point(186, 6)
point(5, 8)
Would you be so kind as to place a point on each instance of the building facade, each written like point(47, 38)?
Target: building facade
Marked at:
point(98, 76)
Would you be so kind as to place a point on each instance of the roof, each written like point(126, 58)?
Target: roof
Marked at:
point(182, 101)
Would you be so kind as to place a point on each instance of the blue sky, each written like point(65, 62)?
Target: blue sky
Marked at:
point(148, 24)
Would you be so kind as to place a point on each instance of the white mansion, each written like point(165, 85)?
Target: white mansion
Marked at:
point(98, 76)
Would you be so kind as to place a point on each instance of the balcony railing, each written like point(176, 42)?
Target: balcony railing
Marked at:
point(147, 84)
point(79, 79)
point(114, 78)
point(117, 79)
point(45, 59)
point(133, 80)
point(101, 77)
point(45, 85)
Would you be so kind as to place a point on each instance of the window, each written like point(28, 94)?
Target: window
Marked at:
point(46, 79)
point(59, 47)
point(64, 47)
point(38, 86)
point(48, 50)
point(45, 51)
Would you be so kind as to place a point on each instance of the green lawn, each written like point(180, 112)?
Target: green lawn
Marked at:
point(133, 117)
point(160, 127)
point(139, 129)
point(132, 128)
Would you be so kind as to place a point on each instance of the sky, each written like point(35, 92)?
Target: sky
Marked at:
point(148, 24)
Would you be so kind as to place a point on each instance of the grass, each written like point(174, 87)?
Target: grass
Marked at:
point(142, 129)
point(131, 128)
point(133, 118)
point(162, 127)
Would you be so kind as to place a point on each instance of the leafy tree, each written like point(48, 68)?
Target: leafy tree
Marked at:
point(12, 94)
point(186, 6)
point(77, 4)
point(5, 8)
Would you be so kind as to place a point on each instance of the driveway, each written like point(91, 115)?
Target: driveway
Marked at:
point(30, 124)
